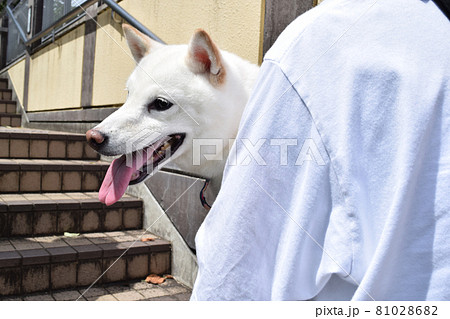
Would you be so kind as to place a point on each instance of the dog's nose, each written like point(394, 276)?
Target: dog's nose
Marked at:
point(95, 138)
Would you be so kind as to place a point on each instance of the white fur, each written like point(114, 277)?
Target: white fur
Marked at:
point(201, 110)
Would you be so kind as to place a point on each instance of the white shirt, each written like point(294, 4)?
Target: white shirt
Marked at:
point(361, 210)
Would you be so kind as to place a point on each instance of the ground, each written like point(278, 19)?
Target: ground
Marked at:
point(170, 290)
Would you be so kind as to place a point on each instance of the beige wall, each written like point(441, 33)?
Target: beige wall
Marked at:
point(55, 74)
point(113, 63)
point(235, 25)
point(56, 70)
point(16, 74)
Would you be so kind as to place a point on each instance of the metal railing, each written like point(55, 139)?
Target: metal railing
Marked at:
point(131, 20)
point(15, 35)
point(69, 14)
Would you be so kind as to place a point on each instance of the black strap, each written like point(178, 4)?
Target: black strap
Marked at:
point(202, 196)
point(444, 5)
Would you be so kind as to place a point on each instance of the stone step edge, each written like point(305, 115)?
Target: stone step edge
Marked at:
point(44, 145)
point(12, 164)
point(44, 176)
point(24, 271)
point(37, 135)
point(42, 256)
point(13, 206)
point(10, 115)
point(22, 217)
point(10, 119)
point(9, 109)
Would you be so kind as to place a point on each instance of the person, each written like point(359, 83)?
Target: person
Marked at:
point(337, 186)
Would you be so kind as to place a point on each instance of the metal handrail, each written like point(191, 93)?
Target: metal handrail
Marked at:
point(131, 20)
point(60, 21)
point(23, 36)
point(81, 8)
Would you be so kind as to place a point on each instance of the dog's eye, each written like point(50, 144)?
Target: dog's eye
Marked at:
point(159, 104)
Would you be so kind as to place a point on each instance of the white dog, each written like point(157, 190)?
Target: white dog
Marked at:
point(177, 94)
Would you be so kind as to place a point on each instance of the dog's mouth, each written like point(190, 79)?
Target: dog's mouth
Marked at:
point(161, 150)
point(131, 169)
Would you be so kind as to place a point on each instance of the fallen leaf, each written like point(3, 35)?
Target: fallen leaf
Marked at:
point(148, 239)
point(155, 279)
point(168, 276)
point(67, 234)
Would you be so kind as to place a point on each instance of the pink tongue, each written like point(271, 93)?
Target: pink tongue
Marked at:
point(116, 181)
point(119, 175)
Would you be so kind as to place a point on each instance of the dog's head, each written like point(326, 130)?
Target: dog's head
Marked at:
point(169, 93)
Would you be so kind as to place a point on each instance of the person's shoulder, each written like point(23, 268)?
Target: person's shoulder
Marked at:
point(302, 26)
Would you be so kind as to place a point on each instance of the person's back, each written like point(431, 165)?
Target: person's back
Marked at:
point(372, 84)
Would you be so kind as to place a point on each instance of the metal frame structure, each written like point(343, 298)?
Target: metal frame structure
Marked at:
point(80, 9)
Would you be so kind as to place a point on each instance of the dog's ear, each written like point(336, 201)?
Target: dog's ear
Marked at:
point(204, 58)
point(140, 45)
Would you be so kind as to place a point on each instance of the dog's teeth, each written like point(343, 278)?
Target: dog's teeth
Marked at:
point(165, 146)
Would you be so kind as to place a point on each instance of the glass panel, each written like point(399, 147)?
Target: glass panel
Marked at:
point(53, 10)
point(15, 45)
point(56, 9)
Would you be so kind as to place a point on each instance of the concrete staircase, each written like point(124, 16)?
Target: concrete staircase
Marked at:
point(48, 184)
point(8, 115)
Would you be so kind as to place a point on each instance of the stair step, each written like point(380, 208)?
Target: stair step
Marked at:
point(7, 119)
point(31, 143)
point(49, 263)
point(56, 213)
point(7, 107)
point(3, 83)
point(5, 95)
point(39, 175)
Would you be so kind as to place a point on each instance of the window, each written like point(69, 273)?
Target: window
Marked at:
point(53, 10)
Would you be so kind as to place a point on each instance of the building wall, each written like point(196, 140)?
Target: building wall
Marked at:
point(55, 74)
point(235, 25)
point(113, 62)
point(56, 70)
point(16, 74)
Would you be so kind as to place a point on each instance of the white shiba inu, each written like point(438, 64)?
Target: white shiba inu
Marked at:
point(177, 94)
